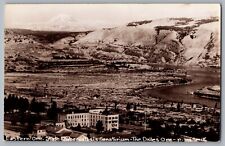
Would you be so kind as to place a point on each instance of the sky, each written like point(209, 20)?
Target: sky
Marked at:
point(109, 15)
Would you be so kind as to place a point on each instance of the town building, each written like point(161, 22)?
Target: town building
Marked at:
point(74, 119)
point(41, 131)
point(109, 121)
point(55, 133)
point(60, 124)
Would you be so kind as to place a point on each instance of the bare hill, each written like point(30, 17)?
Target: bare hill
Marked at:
point(176, 41)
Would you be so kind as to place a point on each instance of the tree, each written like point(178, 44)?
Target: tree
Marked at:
point(88, 135)
point(31, 122)
point(171, 120)
point(156, 128)
point(115, 105)
point(99, 126)
point(53, 112)
point(23, 105)
point(106, 111)
point(135, 107)
point(13, 120)
point(178, 106)
point(128, 106)
point(21, 118)
point(37, 107)
point(78, 128)
point(212, 135)
point(41, 107)
point(11, 103)
point(33, 105)
point(171, 104)
point(6, 105)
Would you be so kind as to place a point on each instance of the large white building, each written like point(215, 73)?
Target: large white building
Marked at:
point(78, 118)
point(109, 121)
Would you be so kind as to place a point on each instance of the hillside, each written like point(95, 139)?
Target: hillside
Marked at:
point(25, 48)
point(176, 41)
point(181, 41)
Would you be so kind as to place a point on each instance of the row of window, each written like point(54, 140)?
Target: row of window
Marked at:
point(111, 122)
point(96, 116)
point(114, 125)
point(76, 116)
point(81, 124)
point(109, 118)
point(60, 125)
point(92, 117)
point(99, 116)
point(84, 120)
point(113, 118)
point(106, 122)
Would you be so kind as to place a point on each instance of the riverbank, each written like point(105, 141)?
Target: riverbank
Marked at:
point(200, 78)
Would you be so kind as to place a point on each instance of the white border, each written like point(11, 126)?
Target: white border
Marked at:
point(3, 2)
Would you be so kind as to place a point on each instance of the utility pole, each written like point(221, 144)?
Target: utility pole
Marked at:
point(145, 118)
point(46, 89)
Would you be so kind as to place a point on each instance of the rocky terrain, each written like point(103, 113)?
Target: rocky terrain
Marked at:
point(175, 41)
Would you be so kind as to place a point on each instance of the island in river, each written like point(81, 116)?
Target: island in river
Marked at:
point(201, 77)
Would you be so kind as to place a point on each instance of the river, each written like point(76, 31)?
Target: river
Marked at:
point(200, 78)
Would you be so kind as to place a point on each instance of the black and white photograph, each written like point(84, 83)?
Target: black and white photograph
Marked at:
point(112, 72)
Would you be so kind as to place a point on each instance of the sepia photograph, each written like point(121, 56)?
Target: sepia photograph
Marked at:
point(112, 72)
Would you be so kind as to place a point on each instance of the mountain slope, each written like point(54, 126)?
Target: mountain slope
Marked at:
point(182, 41)
point(204, 49)
point(175, 41)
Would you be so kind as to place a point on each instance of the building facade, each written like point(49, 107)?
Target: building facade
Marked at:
point(109, 121)
point(74, 119)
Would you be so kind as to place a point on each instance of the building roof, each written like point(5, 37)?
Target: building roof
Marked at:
point(63, 130)
point(58, 131)
point(72, 134)
point(75, 134)
point(41, 128)
point(65, 133)
point(53, 129)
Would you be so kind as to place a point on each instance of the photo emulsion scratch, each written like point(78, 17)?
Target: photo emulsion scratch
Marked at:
point(112, 72)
